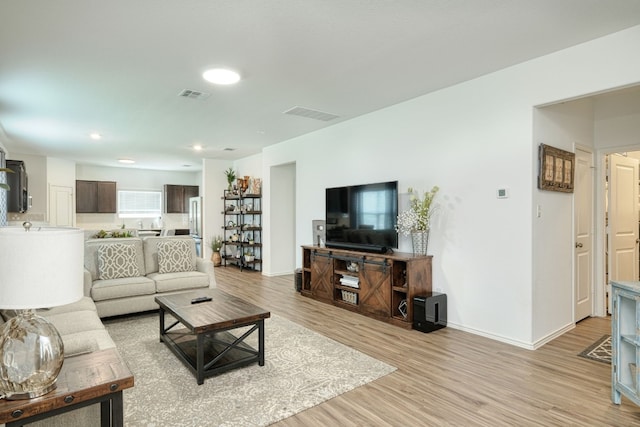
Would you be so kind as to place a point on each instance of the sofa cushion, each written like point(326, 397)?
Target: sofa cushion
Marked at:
point(151, 250)
point(116, 261)
point(73, 322)
point(75, 344)
point(174, 256)
point(84, 303)
point(91, 247)
point(123, 287)
point(169, 282)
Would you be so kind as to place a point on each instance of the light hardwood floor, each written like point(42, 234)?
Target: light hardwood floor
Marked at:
point(447, 377)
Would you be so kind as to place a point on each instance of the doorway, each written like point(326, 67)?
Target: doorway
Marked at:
point(282, 214)
point(621, 218)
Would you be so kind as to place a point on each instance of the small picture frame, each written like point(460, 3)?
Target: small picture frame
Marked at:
point(556, 169)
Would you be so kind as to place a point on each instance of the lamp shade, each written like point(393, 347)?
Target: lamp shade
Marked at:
point(39, 268)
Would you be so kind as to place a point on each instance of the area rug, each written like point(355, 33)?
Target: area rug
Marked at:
point(600, 351)
point(302, 369)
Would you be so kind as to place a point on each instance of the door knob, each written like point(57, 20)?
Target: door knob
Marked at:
point(578, 245)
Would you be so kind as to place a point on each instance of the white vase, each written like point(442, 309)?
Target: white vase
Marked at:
point(420, 241)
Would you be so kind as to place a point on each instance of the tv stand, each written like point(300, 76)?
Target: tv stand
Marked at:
point(381, 286)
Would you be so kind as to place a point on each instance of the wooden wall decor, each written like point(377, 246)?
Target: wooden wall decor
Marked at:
point(556, 169)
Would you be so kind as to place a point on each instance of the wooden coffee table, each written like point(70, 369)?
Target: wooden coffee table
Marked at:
point(198, 334)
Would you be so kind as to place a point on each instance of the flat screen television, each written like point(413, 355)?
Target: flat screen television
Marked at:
point(362, 217)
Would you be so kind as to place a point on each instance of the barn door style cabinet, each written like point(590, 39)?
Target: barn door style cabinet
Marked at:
point(375, 285)
point(625, 342)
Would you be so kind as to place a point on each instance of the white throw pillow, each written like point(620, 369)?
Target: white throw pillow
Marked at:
point(175, 256)
point(116, 261)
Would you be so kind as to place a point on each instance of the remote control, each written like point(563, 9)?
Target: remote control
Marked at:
point(200, 299)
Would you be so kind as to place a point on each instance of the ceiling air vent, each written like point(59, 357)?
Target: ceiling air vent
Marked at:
point(194, 94)
point(311, 114)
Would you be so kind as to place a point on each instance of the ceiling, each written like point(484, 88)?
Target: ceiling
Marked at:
point(117, 67)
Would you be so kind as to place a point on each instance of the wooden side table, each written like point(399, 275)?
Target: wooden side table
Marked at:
point(86, 379)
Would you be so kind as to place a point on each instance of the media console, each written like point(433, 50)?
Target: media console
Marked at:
point(381, 286)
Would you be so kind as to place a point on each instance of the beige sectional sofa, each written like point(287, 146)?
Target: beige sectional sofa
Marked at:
point(122, 276)
point(82, 332)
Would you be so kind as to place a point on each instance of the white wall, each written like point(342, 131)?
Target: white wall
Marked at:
point(562, 126)
point(471, 139)
point(617, 119)
point(281, 252)
point(214, 183)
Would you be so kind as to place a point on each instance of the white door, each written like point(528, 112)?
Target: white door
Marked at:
point(60, 206)
point(623, 218)
point(583, 230)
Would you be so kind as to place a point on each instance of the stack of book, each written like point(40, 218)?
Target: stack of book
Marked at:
point(350, 281)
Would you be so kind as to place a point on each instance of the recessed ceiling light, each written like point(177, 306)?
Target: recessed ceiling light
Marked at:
point(95, 136)
point(197, 147)
point(221, 76)
point(127, 161)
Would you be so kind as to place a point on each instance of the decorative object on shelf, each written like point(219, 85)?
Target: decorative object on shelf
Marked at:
point(235, 237)
point(243, 184)
point(216, 246)
point(353, 267)
point(31, 350)
point(402, 308)
point(416, 221)
point(256, 186)
point(420, 242)
point(231, 177)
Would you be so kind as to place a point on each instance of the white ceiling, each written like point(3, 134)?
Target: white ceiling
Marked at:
point(70, 67)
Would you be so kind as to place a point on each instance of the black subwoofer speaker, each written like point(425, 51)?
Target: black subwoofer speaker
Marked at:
point(430, 312)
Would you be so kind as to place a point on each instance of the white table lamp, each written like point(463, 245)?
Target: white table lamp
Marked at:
point(40, 267)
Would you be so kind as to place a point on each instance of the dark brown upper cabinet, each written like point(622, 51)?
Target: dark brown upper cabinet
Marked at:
point(96, 197)
point(176, 197)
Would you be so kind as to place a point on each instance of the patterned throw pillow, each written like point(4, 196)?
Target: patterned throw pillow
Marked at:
point(116, 261)
point(175, 256)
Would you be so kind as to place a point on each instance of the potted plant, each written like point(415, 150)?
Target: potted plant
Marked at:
point(416, 221)
point(231, 177)
point(216, 245)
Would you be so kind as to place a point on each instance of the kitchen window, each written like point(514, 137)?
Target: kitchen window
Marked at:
point(139, 204)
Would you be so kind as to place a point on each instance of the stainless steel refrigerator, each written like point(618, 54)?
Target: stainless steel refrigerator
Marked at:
point(195, 223)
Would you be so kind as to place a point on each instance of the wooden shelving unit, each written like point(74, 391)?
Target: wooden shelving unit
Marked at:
point(384, 284)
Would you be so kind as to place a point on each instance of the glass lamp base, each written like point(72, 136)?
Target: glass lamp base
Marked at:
point(31, 356)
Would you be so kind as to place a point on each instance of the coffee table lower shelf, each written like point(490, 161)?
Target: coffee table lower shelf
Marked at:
point(209, 354)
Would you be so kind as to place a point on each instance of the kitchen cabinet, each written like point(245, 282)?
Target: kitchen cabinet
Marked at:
point(96, 197)
point(176, 197)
